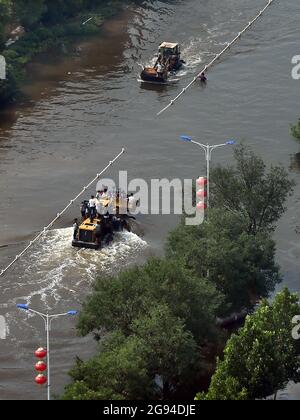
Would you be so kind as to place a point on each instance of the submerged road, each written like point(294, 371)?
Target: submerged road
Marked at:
point(84, 104)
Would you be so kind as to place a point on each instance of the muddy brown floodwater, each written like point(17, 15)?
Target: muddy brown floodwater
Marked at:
point(83, 104)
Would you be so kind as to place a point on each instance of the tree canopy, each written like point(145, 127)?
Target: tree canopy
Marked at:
point(251, 191)
point(295, 131)
point(263, 357)
point(152, 363)
point(31, 13)
point(156, 324)
point(117, 302)
point(5, 15)
point(162, 315)
point(46, 24)
point(241, 266)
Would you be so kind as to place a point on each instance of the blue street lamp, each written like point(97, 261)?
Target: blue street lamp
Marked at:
point(186, 138)
point(23, 307)
point(72, 313)
point(208, 153)
point(48, 321)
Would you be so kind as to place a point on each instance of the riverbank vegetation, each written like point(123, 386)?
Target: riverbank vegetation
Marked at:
point(295, 131)
point(263, 357)
point(158, 326)
point(43, 24)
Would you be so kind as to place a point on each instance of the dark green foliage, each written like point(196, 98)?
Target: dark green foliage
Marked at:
point(47, 23)
point(8, 87)
point(118, 372)
point(151, 363)
point(29, 12)
point(32, 13)
point(241, 266)
point(5, 16)
point(295, 131)
point(263, 357)
point(248, 189)
point(156, 324)
point(233, 248)
point(118, 302)
point(164, 319)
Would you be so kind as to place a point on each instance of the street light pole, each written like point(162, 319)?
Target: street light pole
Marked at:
point(208, 159)
point(47, 321)
point(48, 358)
point(208, 154)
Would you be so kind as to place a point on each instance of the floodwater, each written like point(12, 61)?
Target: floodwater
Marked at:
point(83, 104)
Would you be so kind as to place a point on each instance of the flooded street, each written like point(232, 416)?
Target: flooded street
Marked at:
point(83, 104)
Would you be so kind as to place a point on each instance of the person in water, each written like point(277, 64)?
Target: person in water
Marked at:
point(75, 229)
point(203, 78)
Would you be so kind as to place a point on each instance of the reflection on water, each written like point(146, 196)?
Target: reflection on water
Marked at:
point(295, 163)
point(84, 104)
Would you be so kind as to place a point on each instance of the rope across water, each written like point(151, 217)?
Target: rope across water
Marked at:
point(217, 57)
point(58, 216)
point(205, 69)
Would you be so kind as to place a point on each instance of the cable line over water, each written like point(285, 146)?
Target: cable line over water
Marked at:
point(58, 216)
point(217, 57)
point(207, 67)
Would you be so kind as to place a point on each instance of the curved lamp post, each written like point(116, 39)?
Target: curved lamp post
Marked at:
point(48, 321)
point(208, 153)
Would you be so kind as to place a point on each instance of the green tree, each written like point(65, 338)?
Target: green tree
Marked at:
point(154, 325)
point(117, 372)
point(248, 189)
point(152, 363)
point(295, 131)
point(170, 350)
point(241, 266)
point(263, 357)
point(46, 22)
point(29, 12)
point(5, 15)
point(117, 302)
point(57, 10)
